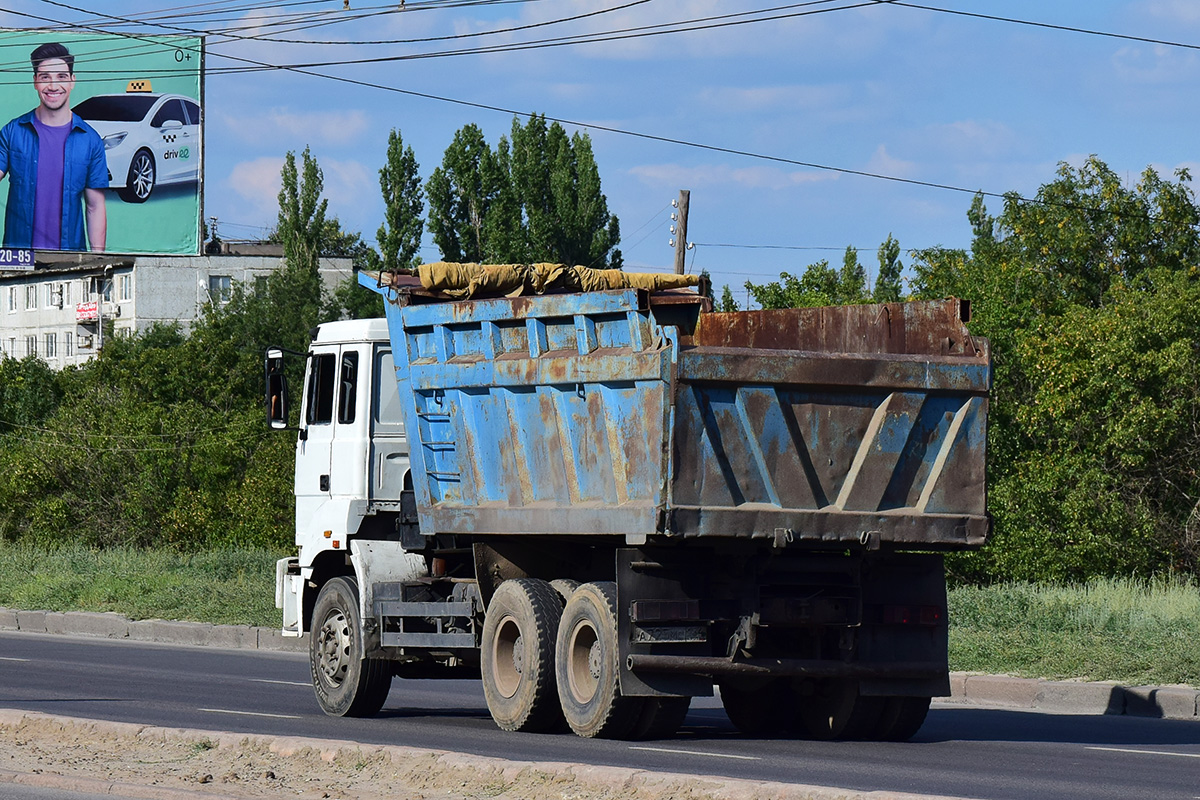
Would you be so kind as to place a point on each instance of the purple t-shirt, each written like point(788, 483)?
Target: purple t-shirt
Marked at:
point(47, 206)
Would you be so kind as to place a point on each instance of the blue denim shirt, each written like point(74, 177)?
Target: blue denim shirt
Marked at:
point(84, 166)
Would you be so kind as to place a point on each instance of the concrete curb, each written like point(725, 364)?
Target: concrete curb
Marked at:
point(473, 769)
point(1073, 697)
point(109, 625)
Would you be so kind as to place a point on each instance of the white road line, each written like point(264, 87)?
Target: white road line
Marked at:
point(1146, 752)
point(248, 713)
point(695, 753)
point(10, 658)
point(284, 683)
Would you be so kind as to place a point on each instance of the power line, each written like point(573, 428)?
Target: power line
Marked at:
point(1049, 26)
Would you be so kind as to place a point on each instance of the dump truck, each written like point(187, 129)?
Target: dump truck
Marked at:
point(604, 503)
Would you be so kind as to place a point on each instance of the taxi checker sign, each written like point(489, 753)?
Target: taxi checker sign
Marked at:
point(87, 311)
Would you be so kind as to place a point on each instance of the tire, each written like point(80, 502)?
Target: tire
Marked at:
point(346, 683)
point(835, 710)
point(586, 663)
point(765, 709)
point(140, 182)
point(565, 588)
point(661, 717)
point(517, 656)
point(902, 717)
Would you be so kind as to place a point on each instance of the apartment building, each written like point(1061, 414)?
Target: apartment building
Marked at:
point(63, 311)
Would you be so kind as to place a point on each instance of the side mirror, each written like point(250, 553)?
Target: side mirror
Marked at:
point(277, 390)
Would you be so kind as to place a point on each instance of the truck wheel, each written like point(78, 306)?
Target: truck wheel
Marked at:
point(346, 683)
point(661, 717)
point(517, 655)
point(586, 664)
point(765, 709)
point(835, 710)
point(901, 719)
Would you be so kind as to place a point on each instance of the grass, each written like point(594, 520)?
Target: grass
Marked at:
point(1134, 632)
point(233, 587)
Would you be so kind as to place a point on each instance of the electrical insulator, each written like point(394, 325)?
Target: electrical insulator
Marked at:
point(671, 243)
point(674, 216)
point(675, 203)
point(672, 230)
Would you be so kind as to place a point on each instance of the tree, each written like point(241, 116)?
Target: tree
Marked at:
point(727, 303)
point(301, 211)
point(461, 191)
point(399, 236)
point(1088, 295)
point(537, 197)
point(819, 285)
point(887, 282)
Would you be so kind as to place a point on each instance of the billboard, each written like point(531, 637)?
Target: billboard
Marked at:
point(127, 112)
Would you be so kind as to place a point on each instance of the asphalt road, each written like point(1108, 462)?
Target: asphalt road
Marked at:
point(961, 751)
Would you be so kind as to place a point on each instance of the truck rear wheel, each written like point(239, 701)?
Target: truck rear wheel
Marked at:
point(586, 662)
point(517, 655)
point(346, 683)
point(902, 717)
point(661, 717)
point(835, 710)
point(767, 708)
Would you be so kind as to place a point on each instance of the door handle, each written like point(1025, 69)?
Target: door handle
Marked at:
point(324, 483)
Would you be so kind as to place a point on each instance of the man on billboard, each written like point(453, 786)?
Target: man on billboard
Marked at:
point(55, 165)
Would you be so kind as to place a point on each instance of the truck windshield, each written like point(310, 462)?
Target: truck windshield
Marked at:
point(322, 374)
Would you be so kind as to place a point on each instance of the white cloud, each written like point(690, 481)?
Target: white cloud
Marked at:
point(336, 127)
point(671, 175)
point(1177, 11)
point(348, 183)
point(257, 181)
point(970, 138)
point(732, 99)
point(883, 163)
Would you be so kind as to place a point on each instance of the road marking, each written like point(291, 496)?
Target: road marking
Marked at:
point(284, 683)
point(10, 658)
point(695, 753)
point(1146, 752)
point(248, 713)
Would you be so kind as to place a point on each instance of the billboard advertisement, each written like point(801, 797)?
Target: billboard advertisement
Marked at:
point(103, 142)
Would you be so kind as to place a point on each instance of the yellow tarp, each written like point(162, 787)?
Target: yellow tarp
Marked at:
point(473, 280)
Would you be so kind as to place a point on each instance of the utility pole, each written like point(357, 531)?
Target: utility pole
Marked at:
point(681, 243)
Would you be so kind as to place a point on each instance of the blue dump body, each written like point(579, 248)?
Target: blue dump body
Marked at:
point(648, 417)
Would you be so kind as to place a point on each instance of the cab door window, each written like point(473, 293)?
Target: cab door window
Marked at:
point(348, 398)
point(322, 380)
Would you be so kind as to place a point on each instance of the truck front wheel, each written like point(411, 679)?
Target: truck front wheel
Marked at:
point(586, 662)
point(346, 683)
point(517, 655)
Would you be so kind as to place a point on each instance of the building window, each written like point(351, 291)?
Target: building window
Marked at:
point(12, 346)
point(51, 345)
point(49, 293)
point(30, 297)
point(260, 284)
point(220, 288)
point(31, 345)
point(12, 298)
point(66, 294)
point(68, 345)
point(125, 287)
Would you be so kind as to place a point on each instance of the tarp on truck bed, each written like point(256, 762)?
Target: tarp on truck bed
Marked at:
point(512, 280)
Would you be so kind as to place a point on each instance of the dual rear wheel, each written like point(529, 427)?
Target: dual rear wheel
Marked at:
point(549, 657)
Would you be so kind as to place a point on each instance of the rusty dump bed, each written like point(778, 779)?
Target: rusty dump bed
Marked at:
point(643, 415)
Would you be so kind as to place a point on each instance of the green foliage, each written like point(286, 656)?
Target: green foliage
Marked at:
point(225, 586)
point(820, 285)
point(537, 197)
point(887, 282)
point(1135, 632)
point(28, 392)
point(726, 303)
point(399, 236)
point(301, 211)
point(461, 191)
point(1089, 297)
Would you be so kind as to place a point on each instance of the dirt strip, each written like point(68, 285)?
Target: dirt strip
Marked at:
point(138, 761)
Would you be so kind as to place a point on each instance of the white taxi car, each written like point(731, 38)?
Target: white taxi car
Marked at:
point(150, 139)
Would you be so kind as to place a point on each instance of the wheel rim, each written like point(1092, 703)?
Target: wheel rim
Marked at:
point(143, 175)
point(584, 662)
point(508, 657)
point(333, 648)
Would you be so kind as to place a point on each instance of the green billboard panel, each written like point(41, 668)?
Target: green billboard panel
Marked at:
point(104, 146)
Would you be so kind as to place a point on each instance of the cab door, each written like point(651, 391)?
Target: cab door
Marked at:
point(315, 442)
point(174, 143)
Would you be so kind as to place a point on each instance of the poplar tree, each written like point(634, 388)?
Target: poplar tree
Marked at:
point(399, 236)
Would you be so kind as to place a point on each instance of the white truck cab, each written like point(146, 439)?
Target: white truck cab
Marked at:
point(352, 486)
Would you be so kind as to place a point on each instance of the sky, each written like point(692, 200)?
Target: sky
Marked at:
point(765, 122)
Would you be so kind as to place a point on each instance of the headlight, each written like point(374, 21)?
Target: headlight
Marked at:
point(114, 139)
